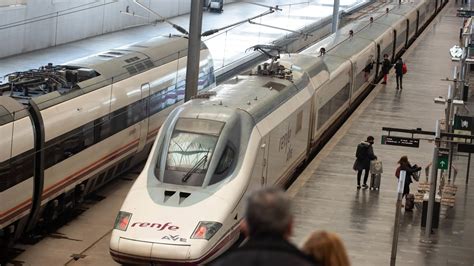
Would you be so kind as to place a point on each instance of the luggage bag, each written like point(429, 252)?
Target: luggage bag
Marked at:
point(375, 181)
point(376, 170)
point(409, 202)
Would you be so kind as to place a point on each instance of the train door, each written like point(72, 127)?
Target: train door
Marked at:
point(417, 21)
point(145, 90)
point(265, 146)
point(394, 45)
point(408, 34)
point(379, 62)
point(312, 124)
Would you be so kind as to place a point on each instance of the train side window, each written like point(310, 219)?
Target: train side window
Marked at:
point(333, 105)
point(102, 128)
point(5, 175)
point(119, 119)
point(225, 164)
point(16, 170)
point(88, 135)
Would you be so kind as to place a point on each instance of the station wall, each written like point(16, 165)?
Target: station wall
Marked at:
point(40, 24)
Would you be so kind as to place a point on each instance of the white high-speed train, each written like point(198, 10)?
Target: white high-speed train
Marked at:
point(252, 131)
point(68, 129)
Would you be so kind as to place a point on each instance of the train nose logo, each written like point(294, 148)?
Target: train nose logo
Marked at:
point(158, 226)
point(174, 238)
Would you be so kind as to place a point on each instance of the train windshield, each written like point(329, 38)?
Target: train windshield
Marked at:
point(190, 151)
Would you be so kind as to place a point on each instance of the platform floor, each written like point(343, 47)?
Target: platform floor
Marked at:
point(325, 195)
point(225, 46)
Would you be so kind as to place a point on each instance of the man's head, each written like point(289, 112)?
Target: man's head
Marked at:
point(268, 212)
point(370, 139)
point(385, 56)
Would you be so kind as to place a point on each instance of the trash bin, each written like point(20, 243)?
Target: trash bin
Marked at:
point(436, 211)
point(465, 93)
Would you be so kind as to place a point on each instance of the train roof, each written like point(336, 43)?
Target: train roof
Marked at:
point(257, 95)
point(132, 59)
point(351, 47)
point(11, 110)
point(387, 19)
point(333, 63)
point(373, 31)
point(329, 42)
point(403, 9)
point(339, 37)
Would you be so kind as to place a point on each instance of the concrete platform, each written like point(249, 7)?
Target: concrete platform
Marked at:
point(325, 195)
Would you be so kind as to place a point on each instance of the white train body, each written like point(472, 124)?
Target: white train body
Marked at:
point(90, 130)
point(250, 132)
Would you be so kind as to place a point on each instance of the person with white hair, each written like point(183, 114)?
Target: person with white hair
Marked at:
point(268, 225)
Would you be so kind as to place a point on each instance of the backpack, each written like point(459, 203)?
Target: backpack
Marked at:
point(404, 68)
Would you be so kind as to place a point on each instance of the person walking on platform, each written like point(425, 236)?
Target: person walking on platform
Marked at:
point(399, 72)
point(268, 224)
point(326, 248)
point(364, 154)
point(404, 165)
point(385, 68)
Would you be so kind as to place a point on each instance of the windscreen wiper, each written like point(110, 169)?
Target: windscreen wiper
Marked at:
point(194, 168)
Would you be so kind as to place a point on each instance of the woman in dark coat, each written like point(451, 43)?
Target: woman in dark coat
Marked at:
point(364, 154)
point(404, 165)
point(385, 68)
point(399, 72)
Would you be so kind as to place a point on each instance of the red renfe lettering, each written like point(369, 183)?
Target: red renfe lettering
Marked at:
point(158, 226)
point(155, 224)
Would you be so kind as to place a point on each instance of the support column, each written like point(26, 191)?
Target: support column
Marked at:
point(335, 16)
point(194, 49)
point(434, 177)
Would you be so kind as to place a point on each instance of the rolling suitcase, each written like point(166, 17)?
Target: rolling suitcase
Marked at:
point(376, 170)
point(375, 181)
point(409, 202)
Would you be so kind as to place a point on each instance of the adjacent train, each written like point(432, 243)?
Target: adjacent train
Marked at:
point(249, 132)
point(68, 129)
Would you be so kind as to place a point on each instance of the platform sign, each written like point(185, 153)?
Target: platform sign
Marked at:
point(463, 123)
point(443, 162)
point(467, 148)
point(400, 141)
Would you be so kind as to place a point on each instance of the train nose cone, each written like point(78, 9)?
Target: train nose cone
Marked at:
point(170, 252)
point(143, 251)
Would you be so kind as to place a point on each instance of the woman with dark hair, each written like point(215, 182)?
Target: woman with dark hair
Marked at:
point(404, 165)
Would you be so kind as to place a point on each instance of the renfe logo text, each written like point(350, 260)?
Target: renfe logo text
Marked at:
point(158, 226)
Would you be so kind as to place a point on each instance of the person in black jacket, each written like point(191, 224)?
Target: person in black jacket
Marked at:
point(385, 68)
point(364, 154)
point(404, 165)
point(268, 224)
point(399, 72)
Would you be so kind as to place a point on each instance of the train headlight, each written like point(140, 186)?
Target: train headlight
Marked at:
point(122, 220)
point(206, 230)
